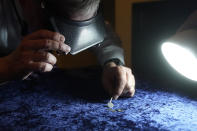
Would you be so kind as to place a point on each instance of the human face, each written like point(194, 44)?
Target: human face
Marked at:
point(84, 15)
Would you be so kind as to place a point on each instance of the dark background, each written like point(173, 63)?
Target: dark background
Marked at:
point(153, 23)
point(109, 11)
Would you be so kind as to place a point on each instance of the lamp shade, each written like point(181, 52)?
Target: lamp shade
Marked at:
point(180, 51)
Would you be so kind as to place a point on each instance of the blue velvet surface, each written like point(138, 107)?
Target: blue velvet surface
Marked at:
point(74, 100)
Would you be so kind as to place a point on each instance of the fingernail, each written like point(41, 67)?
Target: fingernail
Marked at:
point(68, 50)
point(62, 38)
point(116, 97)
point(132, 94)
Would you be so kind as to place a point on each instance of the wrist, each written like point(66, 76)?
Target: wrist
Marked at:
point(110, 64)
point(113, 62)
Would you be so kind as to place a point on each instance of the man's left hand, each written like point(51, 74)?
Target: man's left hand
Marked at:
point(118, 80)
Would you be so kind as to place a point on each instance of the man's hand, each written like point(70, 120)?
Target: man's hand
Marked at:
point(33, 54)
point(118, 80)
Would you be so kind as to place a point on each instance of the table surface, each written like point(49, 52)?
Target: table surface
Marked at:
point(74, 100)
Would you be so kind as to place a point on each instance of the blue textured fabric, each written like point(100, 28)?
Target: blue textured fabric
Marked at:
point(74, 100)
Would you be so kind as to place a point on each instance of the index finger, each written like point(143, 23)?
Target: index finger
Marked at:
point(46, 44)
point(120, 85)
point(46, 34)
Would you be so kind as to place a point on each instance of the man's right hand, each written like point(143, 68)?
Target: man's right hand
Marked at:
point(33, 54)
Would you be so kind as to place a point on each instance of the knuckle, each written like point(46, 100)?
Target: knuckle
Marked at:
point(129, 70)
point(50, 44)
point(56, 36)
point(46, 43)
point(119, 70)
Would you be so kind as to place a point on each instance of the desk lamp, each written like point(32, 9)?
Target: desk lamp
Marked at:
point(180, 51)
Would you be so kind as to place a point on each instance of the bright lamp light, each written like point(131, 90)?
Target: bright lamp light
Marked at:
point(180, 51)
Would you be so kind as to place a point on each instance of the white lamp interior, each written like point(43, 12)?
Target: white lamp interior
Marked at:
point(181, 59)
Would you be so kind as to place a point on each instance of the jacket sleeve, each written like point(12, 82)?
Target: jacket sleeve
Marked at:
point(110, 48)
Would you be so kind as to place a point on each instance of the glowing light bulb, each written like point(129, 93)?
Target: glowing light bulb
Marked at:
point(181, 59)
